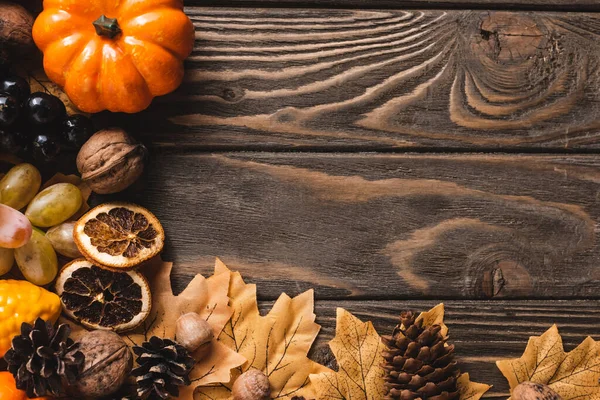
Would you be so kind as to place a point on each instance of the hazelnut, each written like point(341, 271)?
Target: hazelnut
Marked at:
point(534, 391)
point(252, 385)
point(108, 363)
point(110, 161)
point(193, 332)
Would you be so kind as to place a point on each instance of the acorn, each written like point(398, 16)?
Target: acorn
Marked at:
point(534, 391)
point(252, 385)
point(193, 332)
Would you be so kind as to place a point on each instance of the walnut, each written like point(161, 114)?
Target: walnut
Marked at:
point(15, 31)
point(108, 363)
point(110, 161)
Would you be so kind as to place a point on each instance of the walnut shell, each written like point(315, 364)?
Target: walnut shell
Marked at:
point(15, 30)
point(110, 161)
point(533, 391)
point(108, 362)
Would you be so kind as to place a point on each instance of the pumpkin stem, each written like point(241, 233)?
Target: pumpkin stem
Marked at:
point(108, 27)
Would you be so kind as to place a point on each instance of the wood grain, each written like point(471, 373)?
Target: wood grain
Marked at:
point(575, 5)
point(383, 226)
point(483, 331)
point(344, 79)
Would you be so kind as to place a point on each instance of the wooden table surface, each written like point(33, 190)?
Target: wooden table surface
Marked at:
point(391, 155)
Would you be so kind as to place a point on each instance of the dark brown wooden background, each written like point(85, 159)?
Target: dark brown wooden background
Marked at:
point(391, 155)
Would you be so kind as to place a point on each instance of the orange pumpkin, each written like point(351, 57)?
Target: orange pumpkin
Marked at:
point(114, 55)
point(8, 388)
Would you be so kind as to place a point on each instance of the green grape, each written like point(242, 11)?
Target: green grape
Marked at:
point(54, 205)
point(20, 185)
point(61, 237)
point(37, 260)
point(7, 259)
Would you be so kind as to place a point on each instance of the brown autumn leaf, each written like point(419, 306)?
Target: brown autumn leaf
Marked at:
point(208, 298)
point(358, 350)
point(573, 375)
point(470, 390)
point(276, 344)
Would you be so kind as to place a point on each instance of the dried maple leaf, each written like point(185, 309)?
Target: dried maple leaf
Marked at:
point(358, 350)
point(276, 344)
point(208, 298)
point(572, 375)
point(470, 390)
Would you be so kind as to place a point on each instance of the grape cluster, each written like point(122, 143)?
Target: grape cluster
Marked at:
point(37, 124)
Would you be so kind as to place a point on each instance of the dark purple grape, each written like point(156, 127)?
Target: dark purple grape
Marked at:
point(77, 130)
point(13, 142)
point(4, 67)
point(16, 87)
point(10, 109)
point(45, 147)
point(44, 109)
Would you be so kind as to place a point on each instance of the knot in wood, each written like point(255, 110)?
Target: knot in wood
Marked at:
point(510, 37)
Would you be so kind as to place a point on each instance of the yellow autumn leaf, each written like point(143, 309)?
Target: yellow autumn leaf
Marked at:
point(358, 350)
point(208, 298)
point(573, 375)
point(435, 316)
point(276, 344)
point(470, 390)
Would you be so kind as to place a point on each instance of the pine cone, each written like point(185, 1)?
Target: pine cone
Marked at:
point(418, 363)
point(39, 359)
point(164, 366)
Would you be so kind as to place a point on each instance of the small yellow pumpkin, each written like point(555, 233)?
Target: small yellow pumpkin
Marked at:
point(21, 301)
point(114, 55)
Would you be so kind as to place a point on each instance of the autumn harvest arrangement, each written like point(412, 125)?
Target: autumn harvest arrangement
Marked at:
point(86, 305)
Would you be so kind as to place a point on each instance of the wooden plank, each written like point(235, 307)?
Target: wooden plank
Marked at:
point(483, 331)
point(383, 226)
point(344, 79)
point(576, 5)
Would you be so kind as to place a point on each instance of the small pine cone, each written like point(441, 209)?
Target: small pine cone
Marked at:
point(418, 363)
point(42, 357)
point(164, 366)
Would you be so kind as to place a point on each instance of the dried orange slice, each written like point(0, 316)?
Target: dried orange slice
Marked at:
point(100, 298)
point(119, 235)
